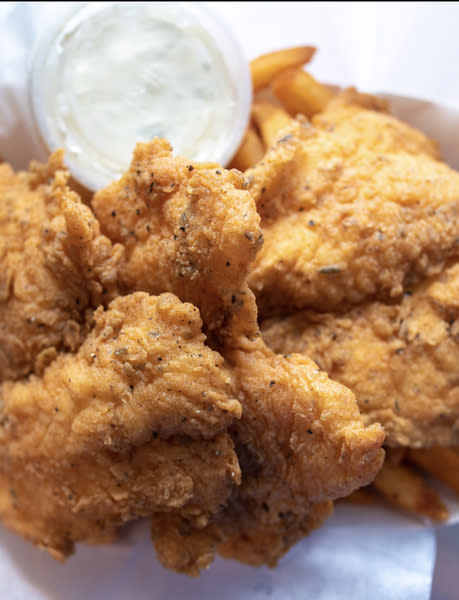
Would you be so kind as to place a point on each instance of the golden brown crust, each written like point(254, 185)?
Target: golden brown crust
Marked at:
point(351, 96)
point(259, 534)
point(400, 358)
point(187, 228)
point(176, 202)
point(54, 266)
point(299, 429)
point(349, 211)
point(132, 424)
point(379, 133)
point(156, 422)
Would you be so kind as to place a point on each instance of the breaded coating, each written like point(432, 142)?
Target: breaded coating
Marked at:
point(299, 426)
point(260, 534)
point(399, 358)
point(187, 228)
point(228, 447)
point(194, 230)
point(353, 209)
point(379, 133)
point(134, 423)
point(54, 265)
point(300, 444)
point(351, 96)
point(247, 531)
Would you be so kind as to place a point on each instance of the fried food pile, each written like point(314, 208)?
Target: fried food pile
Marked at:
point(360, 268)
point(54, 266)
point(366, 281)
point(368, 273)
point(135, 382)
point(225, 353)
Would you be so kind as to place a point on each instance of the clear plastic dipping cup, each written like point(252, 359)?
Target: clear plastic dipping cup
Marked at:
point(111, 74)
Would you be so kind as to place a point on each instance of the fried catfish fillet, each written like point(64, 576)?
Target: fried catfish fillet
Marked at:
point(352, 209)
point(399, 358)
point(194, 231)
point(134, 423)
point(54, 266)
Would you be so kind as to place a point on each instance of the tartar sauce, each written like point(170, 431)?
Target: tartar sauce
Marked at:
point(120, 73)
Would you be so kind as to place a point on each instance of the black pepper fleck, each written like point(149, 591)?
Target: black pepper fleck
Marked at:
point(329, 269)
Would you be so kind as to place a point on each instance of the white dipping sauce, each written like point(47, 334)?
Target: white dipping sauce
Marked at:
point(126, 73)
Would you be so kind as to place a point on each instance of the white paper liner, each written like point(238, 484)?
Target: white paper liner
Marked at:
point(362, 552)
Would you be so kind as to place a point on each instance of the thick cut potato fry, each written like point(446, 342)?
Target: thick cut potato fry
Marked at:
point(267, 66)
point(395, 456)
point(270, 120)
point(361, 496)
point(250, 151)
point(442, 463)
point(300, 93)
point(405, 489)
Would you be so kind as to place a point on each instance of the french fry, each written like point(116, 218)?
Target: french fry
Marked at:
point(395, 456)
point(300, 93)
point(441, 463)
point(269, 119)
point(361, 496)
point(250, 151)
point(406, 489)
point(266, 95)
point(267, 66)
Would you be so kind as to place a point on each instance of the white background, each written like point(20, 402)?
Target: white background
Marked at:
point(409, 48)
point(377, 553)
